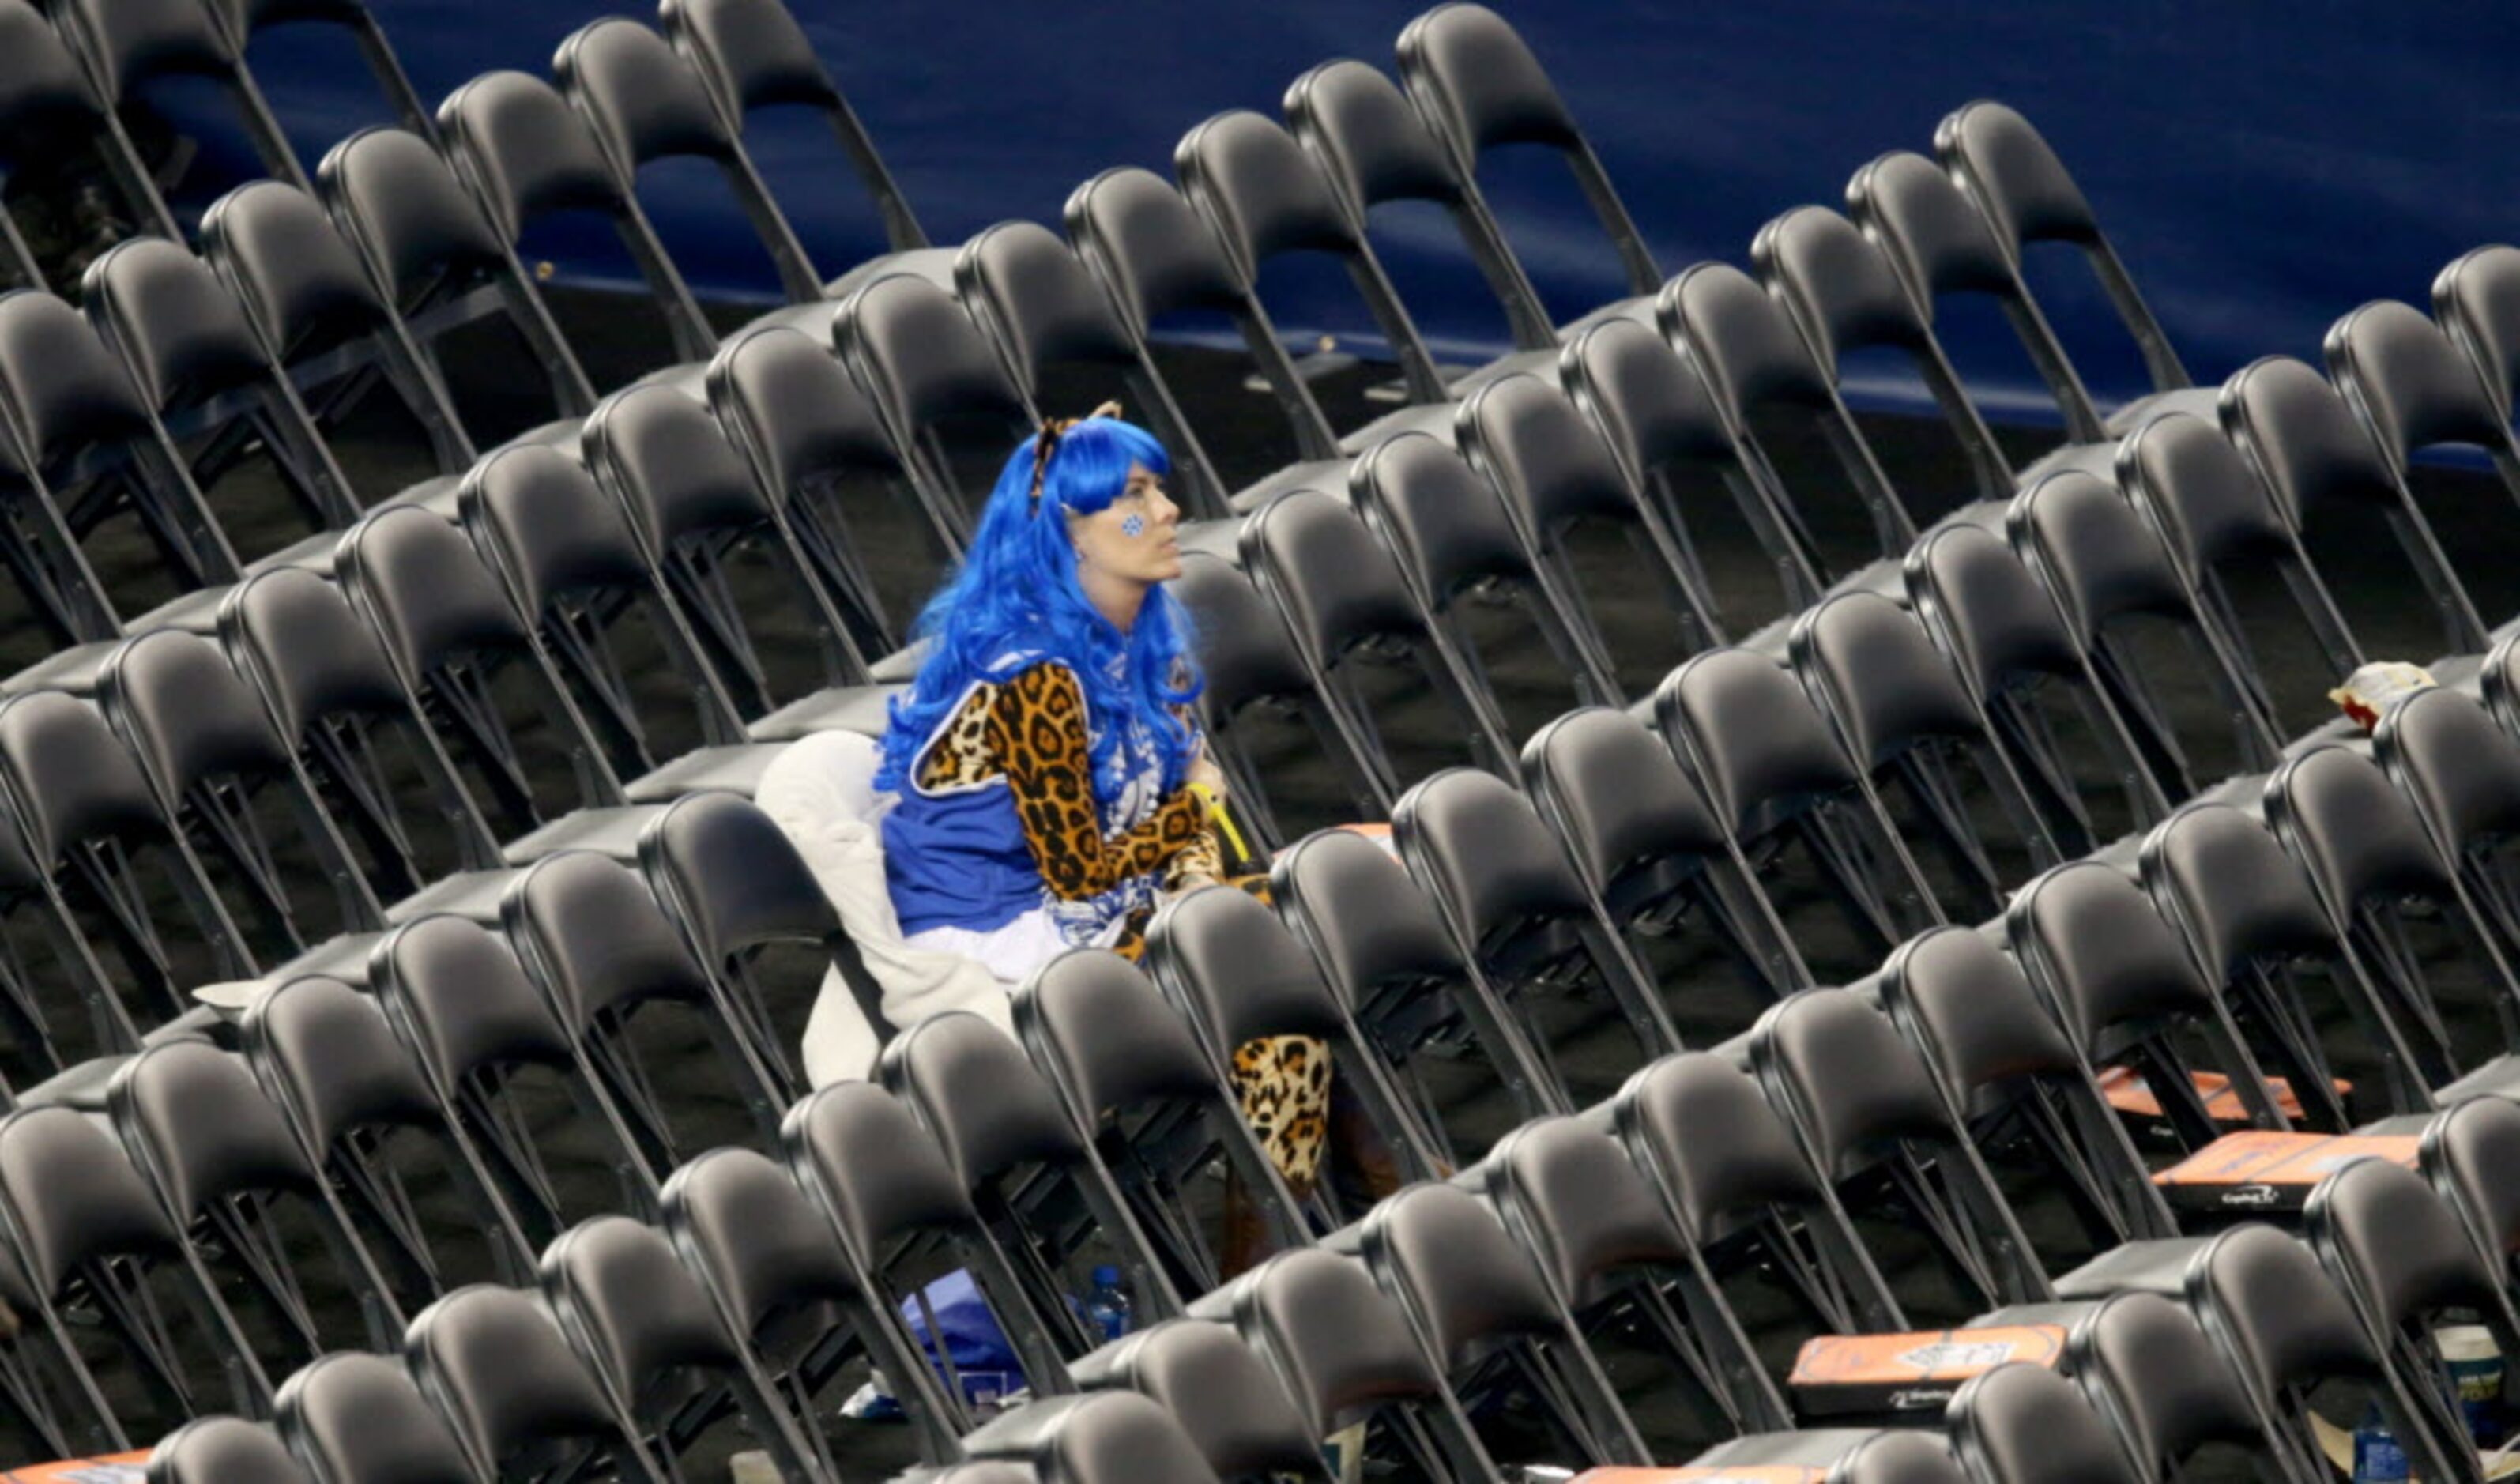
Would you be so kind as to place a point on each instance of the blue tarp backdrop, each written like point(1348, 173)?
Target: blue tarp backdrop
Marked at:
point(2263, 168)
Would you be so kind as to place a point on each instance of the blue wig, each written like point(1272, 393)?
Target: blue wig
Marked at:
point(1017, 593)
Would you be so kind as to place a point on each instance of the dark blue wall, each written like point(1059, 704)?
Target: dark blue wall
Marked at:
point(2263, 168)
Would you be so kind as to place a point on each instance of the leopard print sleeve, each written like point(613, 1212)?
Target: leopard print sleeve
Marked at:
point(1037, 730)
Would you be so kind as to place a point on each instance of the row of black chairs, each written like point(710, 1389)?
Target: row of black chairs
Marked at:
point(1494, 457)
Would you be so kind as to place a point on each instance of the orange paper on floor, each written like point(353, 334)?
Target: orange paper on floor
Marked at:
point(114, 1468)
point(1759, 1473)
point(2269, 1170)
point(2125, 1092)
point(1836, 1374)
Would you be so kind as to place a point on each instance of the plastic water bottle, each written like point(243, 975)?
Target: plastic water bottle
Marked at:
point(1107, 1306)
point(2378, 1459)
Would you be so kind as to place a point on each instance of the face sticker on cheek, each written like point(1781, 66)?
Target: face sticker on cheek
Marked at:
point(1133, 526)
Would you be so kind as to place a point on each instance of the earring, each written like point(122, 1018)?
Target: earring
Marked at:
point(1080, 555)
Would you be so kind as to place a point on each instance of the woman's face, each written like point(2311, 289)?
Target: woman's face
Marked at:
point(1135, 537)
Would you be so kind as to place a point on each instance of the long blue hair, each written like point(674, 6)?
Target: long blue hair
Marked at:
point(1017, 593)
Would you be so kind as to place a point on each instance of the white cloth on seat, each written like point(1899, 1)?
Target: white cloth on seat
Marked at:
point(821, 793)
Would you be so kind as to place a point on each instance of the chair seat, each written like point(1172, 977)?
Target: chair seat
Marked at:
point(344, 958)
point(470, 894)
point(2196, 401)
point(737, 766)
point(1803, 1448)
point(901, 666)
point(865, 710)
point(613, 832)
point(2498, 1079)
point(2156, 1266)
point(1328, 476)
point(1434, 419)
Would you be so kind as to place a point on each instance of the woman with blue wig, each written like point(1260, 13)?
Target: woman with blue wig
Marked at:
point(1048, 765)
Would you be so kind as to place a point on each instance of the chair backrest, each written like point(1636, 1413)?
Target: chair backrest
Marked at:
point(550, 529)
point(2157, 1378)
point(2096, 552)
point(1236, 972)
point(2020, 1424)
point(2460, 770)
point(643, 100)
point(971, 1085)
point(1267, 197)
point(360, 1419)
point(2210, 507)
point(299, 283)
point(525, 151)
point(1897, 1457)
point(1103, 1034)
point(223, 1450)
point(62, 389)
point(1550, 464)
point(1446, 527)
point(1335, 584)
point(1335, 1342)
point(590, 930)
point(2099, 953)
point(1743, 342)
point(1475, 79)
point(2409, 381)
point(1631, 820)
point(922, 358)
point(463, 1002)
point(877, 1171)
point(330, 1058)
point(1368, 924)
point(1752, 739)
point(2476, 297)
point(1929, 232)
point(632, 1309)
point(1480, 852)
point(671, 467)
point(180, 330)
point(1845, 1080)
point(1971, 1014)
point(1221, 1393)
point(753, 54)
point(2029, 197)
point(1245, 653)
point(1036, 297)
point(2232, 891)
point(196, 1123)
point(1261, 192)
point(2398, 1250)
point(794, 410)
point(71, 781)
point(1150, 247)
point(2304, 440)
point(2001, 626)
point(190, 718)
point(2275, 1314)
point(1881, 677)
point(733, 877)
point(71, 1198)
point(756, 1240)
point(425, 587)
point(2462, 1152)
point(1576, 1201)
point(1715, 1151)
point(1840, 286)
point(297, 638)
point(1450, 1262)
point(399, 203)
point(499, 1368)
point(1650, 402)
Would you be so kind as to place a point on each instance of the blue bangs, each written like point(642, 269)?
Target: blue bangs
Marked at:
point(1015, 602)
